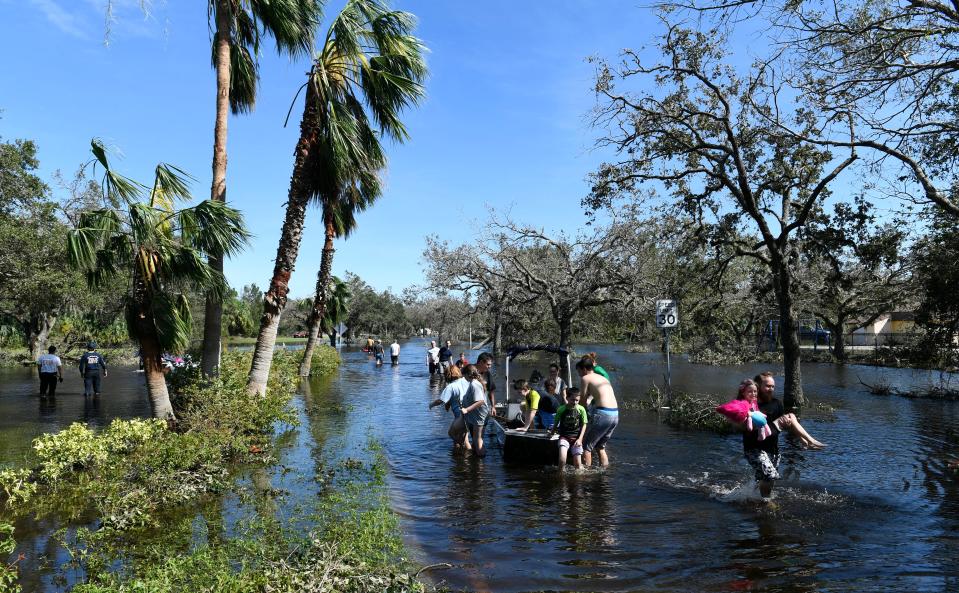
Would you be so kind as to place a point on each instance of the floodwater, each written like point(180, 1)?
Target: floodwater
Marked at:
point(676, 511)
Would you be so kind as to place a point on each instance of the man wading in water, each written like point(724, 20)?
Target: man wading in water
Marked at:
point(763, 454)
point(92, 365)
point(605, 411)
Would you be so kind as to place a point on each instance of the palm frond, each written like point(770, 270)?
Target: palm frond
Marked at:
point(82, 245)
point(292, 23)
point(171, 315)
point(170, 183)
point(214, 227)
point(116, 187)
point(145, 224)
point(244, 79)
point(183, 266)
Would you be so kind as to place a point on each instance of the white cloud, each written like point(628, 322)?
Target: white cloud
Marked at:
point(69, 23)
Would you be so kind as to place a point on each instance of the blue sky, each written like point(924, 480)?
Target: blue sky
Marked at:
point(504, 127)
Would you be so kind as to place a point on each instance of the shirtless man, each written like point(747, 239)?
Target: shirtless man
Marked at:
point(605, 411)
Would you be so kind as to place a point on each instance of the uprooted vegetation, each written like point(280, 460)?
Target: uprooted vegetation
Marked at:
point(943, 390)
point(697, 411)
point(686, 410)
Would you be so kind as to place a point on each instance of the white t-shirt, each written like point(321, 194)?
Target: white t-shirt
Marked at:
point(48, 363)
point(434, 354)
point(394, 349)
point(560, 386)
point(454, 393)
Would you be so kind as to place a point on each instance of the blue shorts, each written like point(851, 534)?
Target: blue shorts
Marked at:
point(600, 428)
point(544, 420)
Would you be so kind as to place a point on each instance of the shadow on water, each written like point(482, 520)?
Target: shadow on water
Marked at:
point(876, 511)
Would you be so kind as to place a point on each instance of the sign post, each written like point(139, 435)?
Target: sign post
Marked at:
point(667, 317)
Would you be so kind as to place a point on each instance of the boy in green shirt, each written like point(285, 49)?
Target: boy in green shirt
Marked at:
point(570, 422)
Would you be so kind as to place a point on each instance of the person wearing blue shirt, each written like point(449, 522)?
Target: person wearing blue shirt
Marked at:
point(92, 367)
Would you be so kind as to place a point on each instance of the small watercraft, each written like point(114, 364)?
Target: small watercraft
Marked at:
point(534, 446)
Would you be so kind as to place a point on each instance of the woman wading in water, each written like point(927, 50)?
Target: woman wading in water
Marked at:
point(475, 408)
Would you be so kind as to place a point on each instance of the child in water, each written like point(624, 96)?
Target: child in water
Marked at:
point(570, 422)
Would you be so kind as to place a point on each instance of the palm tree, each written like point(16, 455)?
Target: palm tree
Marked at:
point(333, 312)
point(239, 27)
point(339, 220)
point(336, 309)
point(162, 249)
point(369, 69)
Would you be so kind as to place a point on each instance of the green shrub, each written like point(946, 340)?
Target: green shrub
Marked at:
point(8, 572)
point(135, 477)
point(325, 360)
point(353, 547)
point(133, 469)
point(17, 486)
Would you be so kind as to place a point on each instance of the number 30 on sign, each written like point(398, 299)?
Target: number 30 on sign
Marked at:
point(667, 313)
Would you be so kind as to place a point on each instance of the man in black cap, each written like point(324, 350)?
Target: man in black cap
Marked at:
point(92, 365)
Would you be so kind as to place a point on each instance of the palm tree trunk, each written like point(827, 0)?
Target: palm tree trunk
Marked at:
point(320, 297)
point(287, 251)
point(213, 319)
point(150, 349)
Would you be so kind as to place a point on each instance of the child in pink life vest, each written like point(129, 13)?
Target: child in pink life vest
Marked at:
point(745, 410)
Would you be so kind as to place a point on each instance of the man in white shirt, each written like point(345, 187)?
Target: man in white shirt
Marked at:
point(51, 369)
point(433, 357)
point(394, 353)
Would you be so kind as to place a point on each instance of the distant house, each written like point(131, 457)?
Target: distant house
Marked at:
point(888, 328)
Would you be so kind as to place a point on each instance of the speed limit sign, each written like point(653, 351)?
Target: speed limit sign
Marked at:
point(667, 313)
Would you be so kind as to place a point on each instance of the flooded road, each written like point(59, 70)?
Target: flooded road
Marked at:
point(876, 511)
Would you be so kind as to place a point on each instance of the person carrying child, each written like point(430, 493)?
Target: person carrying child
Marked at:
point(762, 417)
point(570, 423)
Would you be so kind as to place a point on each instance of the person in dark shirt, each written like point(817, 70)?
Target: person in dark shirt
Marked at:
point(446, 357)
point(378, 352)
point(571, 421)
point(763, 455)
point(92, 367)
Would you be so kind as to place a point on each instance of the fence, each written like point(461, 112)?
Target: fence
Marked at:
point(851, 340)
